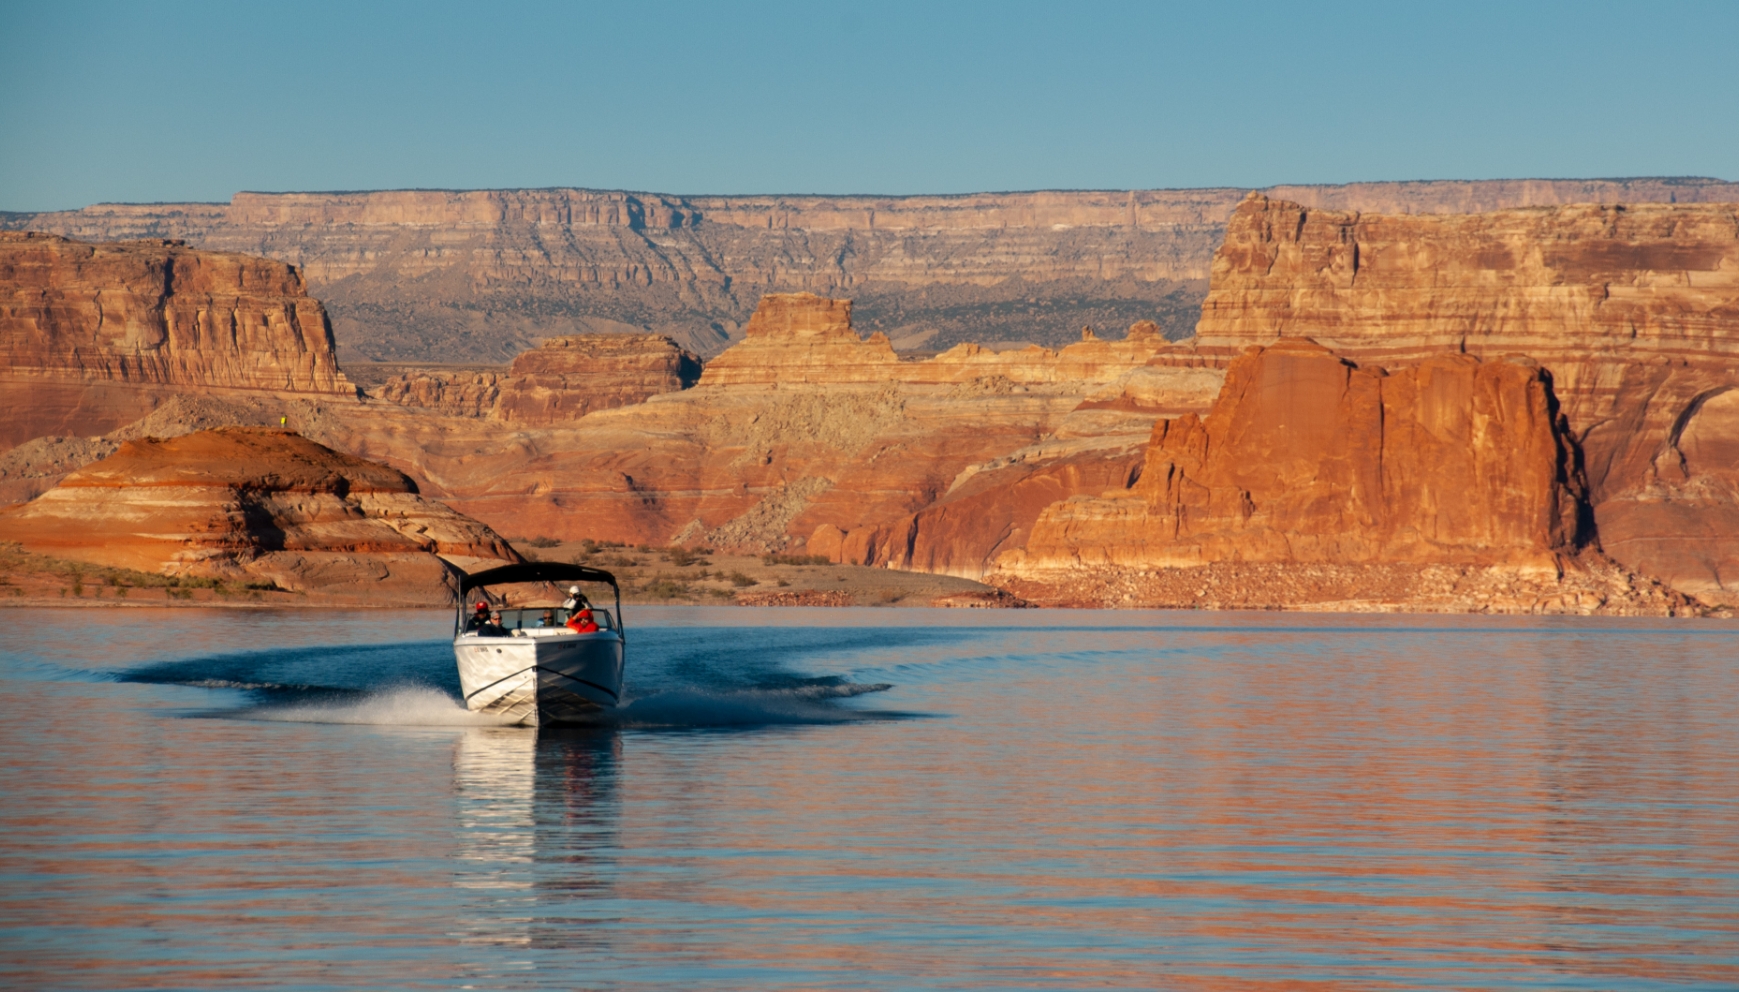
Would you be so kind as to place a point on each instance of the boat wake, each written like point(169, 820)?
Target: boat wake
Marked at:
point(680, 680)
point(746, 707)
point(404, 706)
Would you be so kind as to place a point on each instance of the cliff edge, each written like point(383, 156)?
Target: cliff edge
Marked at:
point(98, 334)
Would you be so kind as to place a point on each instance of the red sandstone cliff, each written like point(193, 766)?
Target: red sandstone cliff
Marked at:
point(1311, 478)
point(259, 505)
point(1633, 309)
point(478, 275)
point(97, 335)
point(1306, 457)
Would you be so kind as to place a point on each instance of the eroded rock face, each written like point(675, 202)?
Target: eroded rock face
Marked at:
point(256, 505)
point(477, 276)
point(1633, 309)
point(99, 334)
point(569, 377)
point(1306, 457)
point(1311, 478)
point(559, 382)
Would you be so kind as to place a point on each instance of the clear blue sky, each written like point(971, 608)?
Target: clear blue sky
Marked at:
point(190, 101)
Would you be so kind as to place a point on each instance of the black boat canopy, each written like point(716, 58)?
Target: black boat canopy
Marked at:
point(535, 571)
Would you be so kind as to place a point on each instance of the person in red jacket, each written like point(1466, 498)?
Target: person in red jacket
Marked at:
point(582, 621)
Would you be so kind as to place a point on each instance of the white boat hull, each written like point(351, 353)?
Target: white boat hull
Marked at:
point(545, 677)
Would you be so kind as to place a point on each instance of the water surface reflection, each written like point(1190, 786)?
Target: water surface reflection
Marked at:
point(1217, 802)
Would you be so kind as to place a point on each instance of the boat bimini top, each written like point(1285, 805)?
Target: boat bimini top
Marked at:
point(534, 571)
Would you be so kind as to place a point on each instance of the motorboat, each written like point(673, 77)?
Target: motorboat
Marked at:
point(534, 669)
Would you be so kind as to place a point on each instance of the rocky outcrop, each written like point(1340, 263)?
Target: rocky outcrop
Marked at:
point(467, 393)
point(1306, 457)
point(1311, 478)
point(256, 505)
point(560, 382)
point(570, 377)
point(477, 276)
point(98, 335)
point(803, 338)
point(1633, 309)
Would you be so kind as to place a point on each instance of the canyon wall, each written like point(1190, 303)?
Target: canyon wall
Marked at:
point(1633, 310)
point(478, 276)
point(97, 335)
point(257, 505)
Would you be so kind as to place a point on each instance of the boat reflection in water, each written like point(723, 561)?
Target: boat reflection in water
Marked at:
point(537, 815)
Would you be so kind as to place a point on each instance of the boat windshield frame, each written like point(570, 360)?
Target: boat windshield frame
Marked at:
point(535, 571)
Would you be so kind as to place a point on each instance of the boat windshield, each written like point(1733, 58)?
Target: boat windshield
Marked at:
point(531, 618)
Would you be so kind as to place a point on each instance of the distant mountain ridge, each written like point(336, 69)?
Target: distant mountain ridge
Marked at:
point(479, 275)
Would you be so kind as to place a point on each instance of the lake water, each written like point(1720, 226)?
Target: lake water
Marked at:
point(1036, 800)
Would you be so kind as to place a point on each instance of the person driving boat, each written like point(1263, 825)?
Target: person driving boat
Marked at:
point(479, 618)
point(493, 627)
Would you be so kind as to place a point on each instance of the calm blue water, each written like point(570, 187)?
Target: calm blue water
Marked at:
point(878, 799)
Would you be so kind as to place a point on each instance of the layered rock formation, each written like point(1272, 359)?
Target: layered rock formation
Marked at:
point(804, 339)
point(1633, 309)
point(1449, 484)
point(1306, 457)
point(816, 428)
point(806, 436)
point(559, 382)
point(479, 275)
point(256, 505)
point(98, 335)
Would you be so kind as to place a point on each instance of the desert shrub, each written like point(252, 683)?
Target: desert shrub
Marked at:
point(795, 560)
point(664, 587)
point(684, 557)
point(540, 541)
point(740, 580)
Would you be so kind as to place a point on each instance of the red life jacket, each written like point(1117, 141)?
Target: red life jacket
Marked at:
point(582, 622)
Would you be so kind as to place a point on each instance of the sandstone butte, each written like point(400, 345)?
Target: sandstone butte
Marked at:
point(257, 505)
point(1632, 310)
point(96, 336)
point(452, 276)
point(1307, 458)
point(559, 382)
